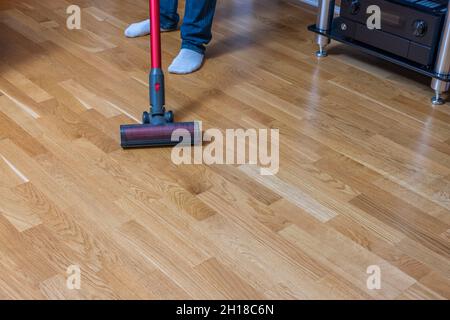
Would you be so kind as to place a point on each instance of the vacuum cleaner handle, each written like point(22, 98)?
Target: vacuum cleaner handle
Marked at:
point(155, 38)
point(158, 114)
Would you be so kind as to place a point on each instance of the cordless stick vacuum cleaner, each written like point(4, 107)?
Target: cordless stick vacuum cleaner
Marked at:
point(158, 125)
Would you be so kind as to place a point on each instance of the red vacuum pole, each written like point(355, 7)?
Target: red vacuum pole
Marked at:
point(155, 35)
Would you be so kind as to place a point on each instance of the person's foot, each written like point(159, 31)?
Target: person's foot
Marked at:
point(187, 61)
point(140, 29)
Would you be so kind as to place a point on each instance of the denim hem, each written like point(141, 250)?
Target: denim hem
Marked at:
point(169, 26)
point(197, 48)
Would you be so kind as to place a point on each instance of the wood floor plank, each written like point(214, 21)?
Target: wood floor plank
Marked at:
point(289, 192)
point(226, 281)
point(354, 271)
point(419, 292)
point(364, 175)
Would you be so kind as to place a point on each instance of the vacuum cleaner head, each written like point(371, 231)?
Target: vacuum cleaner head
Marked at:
point(170, 134)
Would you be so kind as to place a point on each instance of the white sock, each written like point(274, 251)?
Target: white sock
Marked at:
point(186, 62)
point(138, 29)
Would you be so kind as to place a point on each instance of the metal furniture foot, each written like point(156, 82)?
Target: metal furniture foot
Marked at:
point(437, 100)
point(321, 53)
point(442, 63)
point(323, 23)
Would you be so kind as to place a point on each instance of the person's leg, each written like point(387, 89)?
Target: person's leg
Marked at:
point(197, 24)
point(169, 14)
point(195, 34)
point(169, 20)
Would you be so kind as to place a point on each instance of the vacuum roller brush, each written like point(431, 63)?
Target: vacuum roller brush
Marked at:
point(148, 135)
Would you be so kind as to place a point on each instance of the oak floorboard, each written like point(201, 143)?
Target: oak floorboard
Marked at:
point(364, 176)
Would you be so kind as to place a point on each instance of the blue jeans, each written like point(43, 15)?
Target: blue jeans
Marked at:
point(197, 22)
